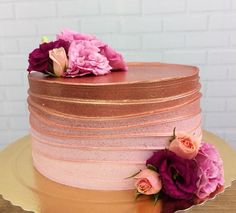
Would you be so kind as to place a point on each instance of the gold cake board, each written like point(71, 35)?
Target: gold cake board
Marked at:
point(23, 186)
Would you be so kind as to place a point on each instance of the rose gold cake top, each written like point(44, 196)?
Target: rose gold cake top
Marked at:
point(138, 72)
point(145, 87)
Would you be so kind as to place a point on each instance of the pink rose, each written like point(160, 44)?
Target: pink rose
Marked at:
point(84, 58)
point(148, 182)
point(60, 61)
point(185, 145)
point(210, 170)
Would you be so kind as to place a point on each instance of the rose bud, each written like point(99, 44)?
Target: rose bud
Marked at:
point(148, 182)
point(185, 145)
point(60, 61)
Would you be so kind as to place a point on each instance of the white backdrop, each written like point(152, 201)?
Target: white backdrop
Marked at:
point(196, 32)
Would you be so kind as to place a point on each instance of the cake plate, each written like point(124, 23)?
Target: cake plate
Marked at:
point(23, 186)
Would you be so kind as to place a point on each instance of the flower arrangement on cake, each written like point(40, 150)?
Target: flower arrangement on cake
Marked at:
point(74, 54)
point(190, 169)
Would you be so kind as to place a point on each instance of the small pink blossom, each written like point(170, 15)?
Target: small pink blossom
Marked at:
point(185, 145)
point(210, 170)
point(148, 182)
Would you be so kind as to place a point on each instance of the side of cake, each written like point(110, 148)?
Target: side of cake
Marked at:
point(94, 132)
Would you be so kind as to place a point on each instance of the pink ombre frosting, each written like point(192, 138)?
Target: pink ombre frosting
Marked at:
point(94, 132)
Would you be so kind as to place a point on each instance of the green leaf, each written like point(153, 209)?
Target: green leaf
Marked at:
point(133, 175)
point(51, 74)
point(44, 39)
point(174, 135)
point(151, 167)
point(137, 195)
point(156, 198)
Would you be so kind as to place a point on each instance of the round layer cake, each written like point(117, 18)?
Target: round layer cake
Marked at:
point(95, 131)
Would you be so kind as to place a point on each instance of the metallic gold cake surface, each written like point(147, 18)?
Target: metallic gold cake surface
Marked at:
point(121, 85)
point(138, 73)
point(110, 124)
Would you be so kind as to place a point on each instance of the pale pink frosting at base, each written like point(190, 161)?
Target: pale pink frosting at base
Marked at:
point(77, 143)
point(74, 161)
point(88, 175)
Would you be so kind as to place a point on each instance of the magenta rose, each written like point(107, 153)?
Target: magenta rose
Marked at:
point(39, 58)
point(84, 58)
point(210, 170)
point(178, 175)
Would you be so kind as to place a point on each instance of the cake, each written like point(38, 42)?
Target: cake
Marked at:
point(109, 124)
point(99, 123)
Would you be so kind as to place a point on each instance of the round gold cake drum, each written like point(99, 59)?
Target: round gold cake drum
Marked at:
point(22, 185)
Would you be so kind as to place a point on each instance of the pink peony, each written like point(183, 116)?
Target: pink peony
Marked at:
point(210, 170)
point(69, 35)
point(148, 182)
point(84, 58)
point(115, 59)
point(185, 145)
